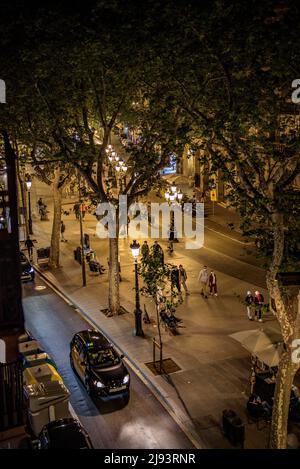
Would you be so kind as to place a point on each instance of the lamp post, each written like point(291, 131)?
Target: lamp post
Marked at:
point(83, 271)
point(172, 195)
point(138, 331)
point(28, 186)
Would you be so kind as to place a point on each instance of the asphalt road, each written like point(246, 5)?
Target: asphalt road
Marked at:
point(142, 423)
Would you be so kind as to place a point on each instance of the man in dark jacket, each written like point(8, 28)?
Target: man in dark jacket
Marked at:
point(158, 252)
point(258, 301)
point(145, 251)
point(175, 280)
point(62, 231)
point(29, 244)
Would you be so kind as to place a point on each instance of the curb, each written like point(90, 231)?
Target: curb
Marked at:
point(194, 438)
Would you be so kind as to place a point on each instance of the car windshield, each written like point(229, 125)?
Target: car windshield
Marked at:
point(103, 358)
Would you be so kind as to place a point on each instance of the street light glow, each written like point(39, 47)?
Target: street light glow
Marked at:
point(135, 249)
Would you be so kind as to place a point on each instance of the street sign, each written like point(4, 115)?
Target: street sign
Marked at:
point(213, 195)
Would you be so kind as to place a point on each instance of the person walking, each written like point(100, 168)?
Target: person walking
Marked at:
point(183, 278)
point(175, 280)
point(40, 205)
point(62, 231)
point(76, 210)
point(203, 279)
point(212, 281)
point(145, 251)
point(258, 301)
point(29, 245)
point(83, 209)
point(249, 300)
point(158, 252)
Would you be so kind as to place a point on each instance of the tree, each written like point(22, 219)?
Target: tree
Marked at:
point(103, 63)
point(157, 284)
point(234, 86)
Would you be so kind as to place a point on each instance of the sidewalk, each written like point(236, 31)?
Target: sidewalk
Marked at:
point(214, 370)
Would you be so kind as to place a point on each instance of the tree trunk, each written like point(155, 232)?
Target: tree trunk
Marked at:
point(280, 414)
point(114, 287)
point(55, 236)
point(286, 316)
point(23, 198)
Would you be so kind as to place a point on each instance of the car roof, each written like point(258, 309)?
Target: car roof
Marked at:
point(67, 433)
point(93, 337)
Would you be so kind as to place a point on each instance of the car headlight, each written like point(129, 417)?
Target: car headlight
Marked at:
point(99, 384)
point(126, 379)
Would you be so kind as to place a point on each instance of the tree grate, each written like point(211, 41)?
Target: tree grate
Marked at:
point(168, 366)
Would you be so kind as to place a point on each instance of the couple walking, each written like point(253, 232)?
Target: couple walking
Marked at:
point(207, 279)
point(254, 305)
point(178, 279)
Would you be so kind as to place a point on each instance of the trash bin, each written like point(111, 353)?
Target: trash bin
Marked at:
point(228, 415)
point(40, 374)
point(233, 428)
point(37, 359)
point(78, 254)
point(46, 402)
point(29, 347)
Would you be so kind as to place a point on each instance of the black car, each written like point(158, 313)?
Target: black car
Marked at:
point(64, 434)
point(27, 271)
point(98, 365)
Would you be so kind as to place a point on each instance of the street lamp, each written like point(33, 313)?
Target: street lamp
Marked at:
point(138, 331)
point(28, 186)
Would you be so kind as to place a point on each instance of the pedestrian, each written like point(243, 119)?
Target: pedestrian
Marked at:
point(203, 279)
point(258, 301)
point(171, 232)
point(183, 278)
point(62, 231)
point(83, 209)
point(158, 252)
point(29, 245)
point(40, 204)
point(145, 251)
point(249, 300)
point(175, 280)
point(170, 247)
point(76, 210)
point(72, 187)
point(212, 281)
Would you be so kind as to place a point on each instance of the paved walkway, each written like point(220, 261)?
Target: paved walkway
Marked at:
point(214, 370)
